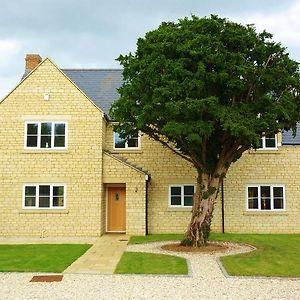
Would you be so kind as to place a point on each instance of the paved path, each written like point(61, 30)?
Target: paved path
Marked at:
point(102, 257)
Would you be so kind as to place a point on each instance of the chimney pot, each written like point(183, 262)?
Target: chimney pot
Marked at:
point(32, 61)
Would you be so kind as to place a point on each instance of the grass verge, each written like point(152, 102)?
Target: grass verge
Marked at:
point(276, 254)
point(39, 258)
point(149, 263)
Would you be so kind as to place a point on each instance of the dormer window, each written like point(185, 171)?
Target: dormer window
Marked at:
point(46, 135)
point(268, 142)
point(132, 142)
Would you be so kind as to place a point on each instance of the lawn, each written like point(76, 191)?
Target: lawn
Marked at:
point(39, 258)
point(276, 254)
point(149, 263)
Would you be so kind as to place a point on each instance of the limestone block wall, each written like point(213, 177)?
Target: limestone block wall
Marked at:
point(116, 172)
point(264, 167)
point(166, 168)
point(79, 166)
point(281, 167)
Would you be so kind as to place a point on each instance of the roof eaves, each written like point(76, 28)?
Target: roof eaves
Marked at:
point(124, 161)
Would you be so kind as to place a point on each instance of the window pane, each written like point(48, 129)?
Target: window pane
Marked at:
point(30, 191)
point(253, 203)
point(252, 192)
point(44, 202)
point(119, 142)
point(32, 129)
point(176, 191)
point(59, 141)
point(44, 190)
point(29, 201)
point(265, 191)
point(188, 190)
point(32, 141)
point(58, 191)
point(133, 143)
point(58, 201)
point(188, 201)
point(260, 145)
point(270, 143)
point(59, 129)
point(278, 203)
point(278, 192)
point(46, 141)
point(265, 203)
point(46, 128)
point(175, 200)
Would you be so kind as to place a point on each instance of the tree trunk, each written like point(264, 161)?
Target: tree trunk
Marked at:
point(204, 199)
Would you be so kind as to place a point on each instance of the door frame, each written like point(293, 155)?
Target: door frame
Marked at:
point(112, 185)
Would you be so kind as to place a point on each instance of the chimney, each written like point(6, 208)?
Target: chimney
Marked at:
point(32, 61)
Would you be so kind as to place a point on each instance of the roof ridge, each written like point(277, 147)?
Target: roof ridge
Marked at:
point(90, 69)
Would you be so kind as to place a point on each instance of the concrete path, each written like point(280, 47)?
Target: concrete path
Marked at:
point(102, 257)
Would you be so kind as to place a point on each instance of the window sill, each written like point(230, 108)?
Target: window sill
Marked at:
point(188, 208)
point(266, 213)
point(264, 151)
point(126, 151)
point(62, 151)
point(43, 211)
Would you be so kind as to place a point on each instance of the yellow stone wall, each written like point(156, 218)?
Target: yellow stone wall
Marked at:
point(116, 172)
point(264, 167)
point(87, 171)
point(79, 167)
point(258, 167)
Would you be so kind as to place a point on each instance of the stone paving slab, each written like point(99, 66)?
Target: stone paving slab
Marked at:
point(102, 257)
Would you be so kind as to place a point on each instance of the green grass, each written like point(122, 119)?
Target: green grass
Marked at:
point(155, 238)
point(276, 254)
point(149, 263)
point(39, 258)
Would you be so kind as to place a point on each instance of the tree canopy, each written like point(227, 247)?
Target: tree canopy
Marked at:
point(208, 89)
point(206, 84)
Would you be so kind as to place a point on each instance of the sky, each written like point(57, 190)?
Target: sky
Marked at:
point(93, 33)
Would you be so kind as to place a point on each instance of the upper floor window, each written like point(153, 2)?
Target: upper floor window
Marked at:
point(46, 135)
point(265, 197)
point(132, 142)
point(181, 195)
point(268, 141)
point(44, 196)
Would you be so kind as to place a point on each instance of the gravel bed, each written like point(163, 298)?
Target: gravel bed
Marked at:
point(206, 282)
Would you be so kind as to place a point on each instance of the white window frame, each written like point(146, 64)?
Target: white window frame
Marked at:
point(52, 135)
point(271, 196)
point(51, 207)
point(182, 194)
point(263, 140)
point(126, 143)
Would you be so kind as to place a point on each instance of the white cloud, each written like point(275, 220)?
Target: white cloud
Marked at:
point(284, 25)
point(8, 50)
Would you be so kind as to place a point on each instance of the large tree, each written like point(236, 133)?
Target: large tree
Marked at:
point(207, 88)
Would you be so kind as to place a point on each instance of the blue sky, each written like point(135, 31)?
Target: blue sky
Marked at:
point(92, 33)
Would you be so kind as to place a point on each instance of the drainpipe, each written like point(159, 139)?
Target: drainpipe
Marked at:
point(222, 199)
point(147, 201)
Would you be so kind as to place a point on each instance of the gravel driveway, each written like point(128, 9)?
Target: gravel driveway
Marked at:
point(206, 281)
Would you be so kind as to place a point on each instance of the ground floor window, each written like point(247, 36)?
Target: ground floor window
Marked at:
point(265, 197)
point(181, 195)
point(44, 196)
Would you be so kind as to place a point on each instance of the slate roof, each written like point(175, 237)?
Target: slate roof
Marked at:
point(288, 139)
point(100, 85)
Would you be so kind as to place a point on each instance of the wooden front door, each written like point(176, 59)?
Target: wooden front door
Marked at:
point(116, 209)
